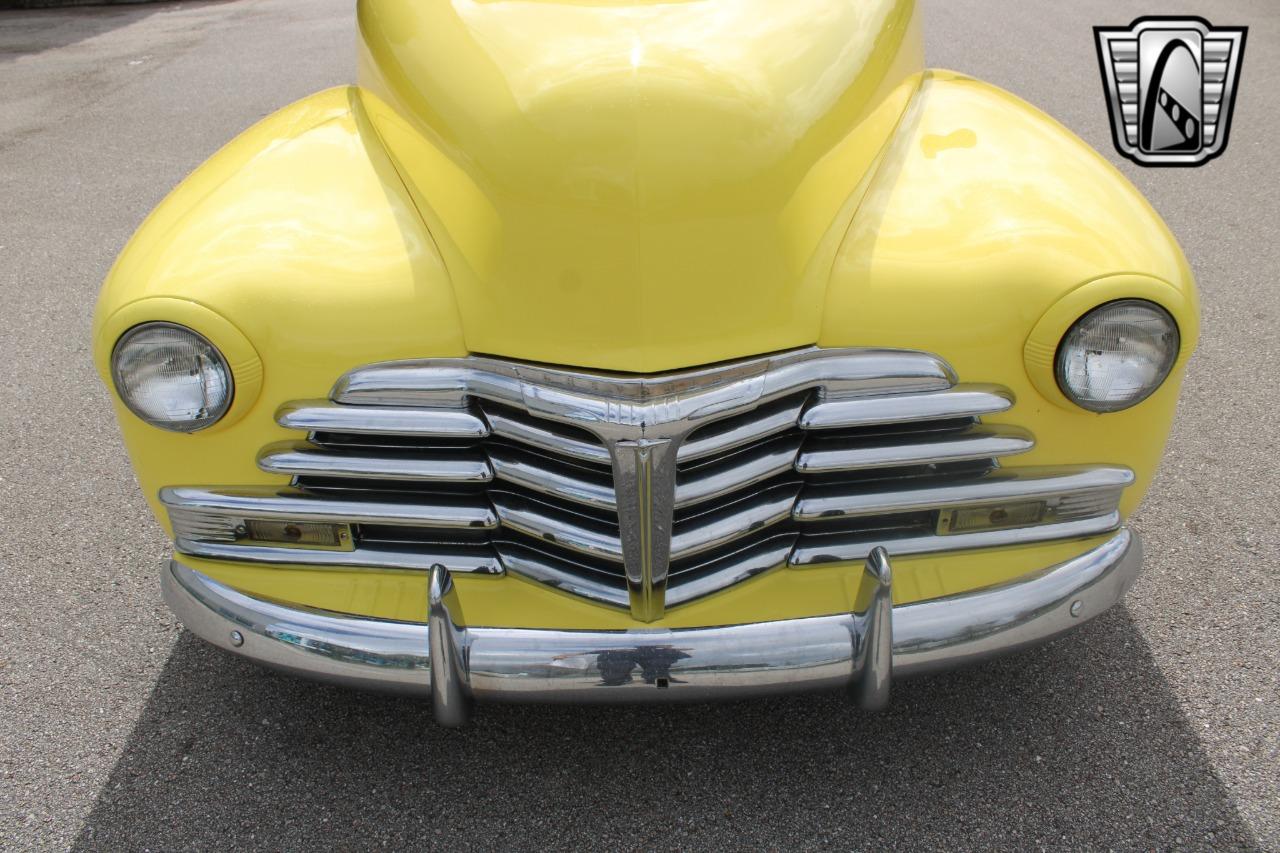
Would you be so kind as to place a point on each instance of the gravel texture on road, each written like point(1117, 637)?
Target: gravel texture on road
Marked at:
point(1157, 726)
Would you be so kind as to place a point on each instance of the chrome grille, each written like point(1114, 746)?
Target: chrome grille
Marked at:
point(802, 458)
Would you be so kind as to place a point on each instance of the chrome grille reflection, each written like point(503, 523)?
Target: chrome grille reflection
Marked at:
point(803, 458)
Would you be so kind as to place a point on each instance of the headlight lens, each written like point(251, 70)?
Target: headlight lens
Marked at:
point(1117, 355)
point(171, 377)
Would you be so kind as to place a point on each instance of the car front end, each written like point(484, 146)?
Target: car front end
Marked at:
point(633, 352)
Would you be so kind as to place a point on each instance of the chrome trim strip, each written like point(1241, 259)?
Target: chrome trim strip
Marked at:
point(541, 522)
point(617, 404)
point(720, 527)
point(749, 561)
point(979, 442)
point(323, 416)
point(755, 559)
point(270, 502)
point(204, 524)
point(961, 401)
point(203, 528)
point(533, 564)
point(544, 439)
point(734, 474)
point(815, 550)
point(709, 440)
point(524, 470)
point(480, 561)
point(695, 486)
point(1000, 485)
point(311, 461)
point(711, 530)
point(651, 665)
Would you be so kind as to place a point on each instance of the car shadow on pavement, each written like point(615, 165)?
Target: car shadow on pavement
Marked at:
point(1080, 743)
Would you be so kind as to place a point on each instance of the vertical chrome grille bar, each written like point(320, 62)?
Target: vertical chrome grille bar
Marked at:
point(645, 483)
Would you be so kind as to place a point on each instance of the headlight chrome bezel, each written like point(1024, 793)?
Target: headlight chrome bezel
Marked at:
point(1162, 369)
point(215, 355)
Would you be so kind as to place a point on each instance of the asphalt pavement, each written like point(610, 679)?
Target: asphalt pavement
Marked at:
point(1156, 726)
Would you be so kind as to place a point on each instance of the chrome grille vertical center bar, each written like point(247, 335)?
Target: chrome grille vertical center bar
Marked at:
point(644, 481)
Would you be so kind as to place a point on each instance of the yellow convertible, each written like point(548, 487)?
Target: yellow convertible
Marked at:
point(643, 351)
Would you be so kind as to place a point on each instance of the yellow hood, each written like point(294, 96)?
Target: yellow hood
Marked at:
point(637, 186)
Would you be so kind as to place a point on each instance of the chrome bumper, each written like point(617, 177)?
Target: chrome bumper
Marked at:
point(454, 664)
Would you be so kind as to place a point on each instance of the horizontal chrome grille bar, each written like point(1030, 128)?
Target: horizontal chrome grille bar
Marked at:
point(826, 548)
point(549, 478)
point(480, 560)
point(528, 431)
point(737, 472)
point(715, 574)
point(556, 527)
point(732, 433)
point(962, 401)
point(848, 454)
point(599, 540)
point(452, 467)
point(592, 488)
point(711, 530)
point(272, 503)
point(555, 571)
point(323, 416)
point(622, 401)
point(199, 526)
point(734, 568)
point(832, 502)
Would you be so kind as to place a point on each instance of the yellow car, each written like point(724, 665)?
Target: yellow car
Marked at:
point(639, 351)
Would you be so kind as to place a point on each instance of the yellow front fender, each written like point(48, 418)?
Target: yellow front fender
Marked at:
point(296, 249)
point(988, 230)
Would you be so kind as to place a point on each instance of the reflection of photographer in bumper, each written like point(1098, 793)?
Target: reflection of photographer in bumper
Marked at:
point(617, 665)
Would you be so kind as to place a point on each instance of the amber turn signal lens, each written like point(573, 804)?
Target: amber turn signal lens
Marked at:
point(305, 533)
point(971, 518)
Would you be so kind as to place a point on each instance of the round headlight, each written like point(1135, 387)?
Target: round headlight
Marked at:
point(171, 377)
point(1117, 355)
